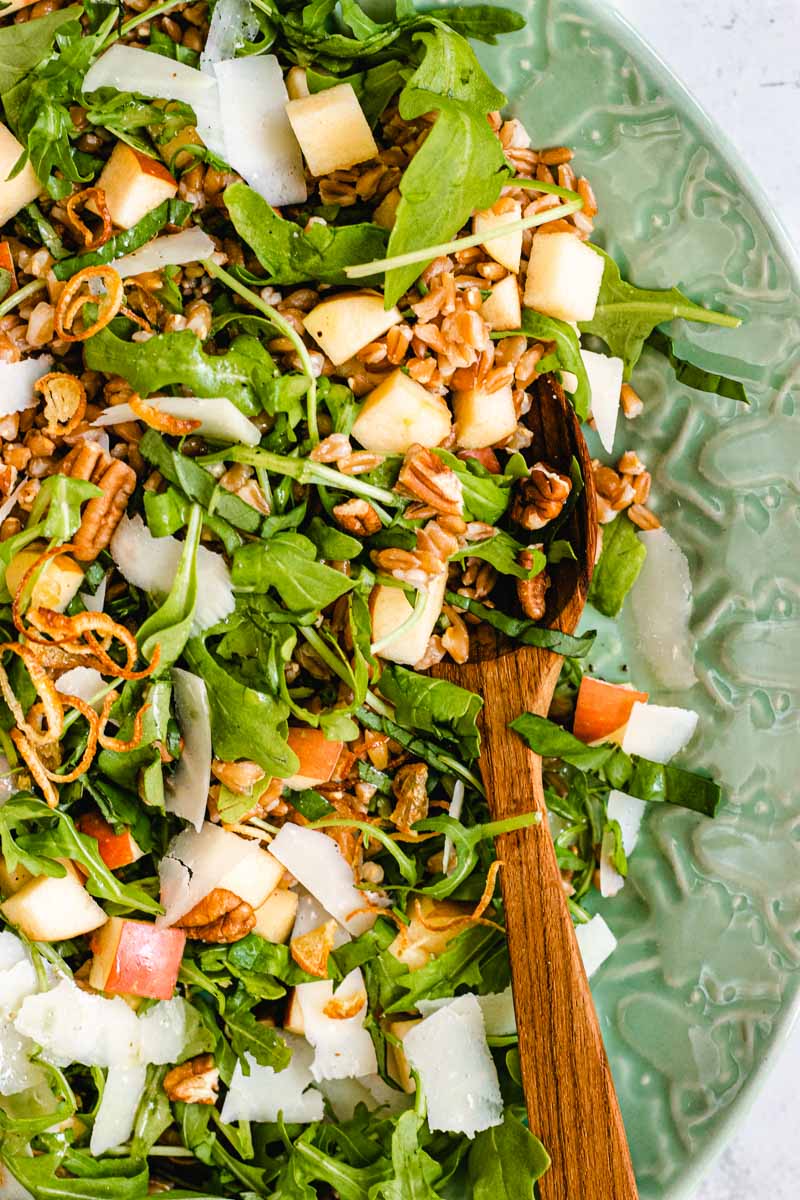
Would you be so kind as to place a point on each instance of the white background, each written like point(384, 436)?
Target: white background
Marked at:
point(741, 61)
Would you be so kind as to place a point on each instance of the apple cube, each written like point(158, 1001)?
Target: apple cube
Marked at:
point(275, 917)
point(396, 1062)
point(503, 309)
point(507, 250)
point(293, 1021)
point(254, 878)
point(605, 382)
point(390, 609)
point(416, 944)
point(564, 277)
point(318, 757)
point(12, 881)
point(17, 192)
point(484, 418)
point(332, 130)
point(400, 412)
point(52, 910)
point(134, 185)
point(344, 325)
point(116, 849)
point(134, 958)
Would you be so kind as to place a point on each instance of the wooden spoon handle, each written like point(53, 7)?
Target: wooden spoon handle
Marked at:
point(572, 1104)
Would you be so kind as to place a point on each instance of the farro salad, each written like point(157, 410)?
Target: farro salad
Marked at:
point(279, 285)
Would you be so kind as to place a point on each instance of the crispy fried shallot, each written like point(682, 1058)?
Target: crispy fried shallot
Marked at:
point(79, 292)
point(161, 421)
point(92, 239)
point(64, 402)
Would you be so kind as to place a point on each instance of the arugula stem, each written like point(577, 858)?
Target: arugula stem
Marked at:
point(407, 866)
point(361, 270)
point(324, 651)
point(538, 185)
point(286, 329)
point(20, 296)
point(493, 829)
point(305, 471)
point(409, 623)
point(134, 22)
point(708, 316)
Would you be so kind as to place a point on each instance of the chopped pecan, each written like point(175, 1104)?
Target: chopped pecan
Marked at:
point(357, 517)
point(411, 793)
point(539, 497)
point(220, 917)
point(424, 475)
point(64, 402)
point(102, 514)
point(531, 593)
point(310, 951)
point(193, 1082)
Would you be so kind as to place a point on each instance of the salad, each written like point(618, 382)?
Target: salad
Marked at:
point(279, 284)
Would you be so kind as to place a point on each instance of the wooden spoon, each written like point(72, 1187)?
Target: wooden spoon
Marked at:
point(572, 1105)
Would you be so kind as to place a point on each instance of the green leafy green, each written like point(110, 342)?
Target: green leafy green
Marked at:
point(568, 352)
point(58, 506)
point(87, 1179)
point(505, 1162)
point(486, 496)
point(373, 87)
point(503, 552)
point(521, 629)
point(170, 625)
point(170, 212)
point(287, 563)
point(291, 254)
point(696, 377)
point(331, 543)
point(618, 567)
point(24, 47)
point(434, 706)
point(197, 483)
point(250, 1036)
point(626, 315)
point(415, 1172)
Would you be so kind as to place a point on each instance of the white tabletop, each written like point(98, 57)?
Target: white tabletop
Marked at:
point(740, 60)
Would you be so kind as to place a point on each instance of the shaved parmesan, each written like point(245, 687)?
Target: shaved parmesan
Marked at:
point(150, 563)
point(344, 1096)
point(661, 605)
point(219, 418)
point(595, 942)
point(627, 811)
point(113, 1124)
point(173, 250)
point(454, 811)
point(497, 1008)
point(232, 24)
point(310, 915)
point(318, 863)
point(343, 1047)
point(17, 982)
point(17, 1072)
point(658, 731)
point(96, 602)
point(83, 682)
point(16, 384)
point(195, 863)
point(187, 792)
point(259, 141)
point(449, 1052)
point(162, 78)
point(605, 381)
point(265, 1094)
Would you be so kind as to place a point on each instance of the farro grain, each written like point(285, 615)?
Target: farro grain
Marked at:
point(643, 517)
point(630, 400)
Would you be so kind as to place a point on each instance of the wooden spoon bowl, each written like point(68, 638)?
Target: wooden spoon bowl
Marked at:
point(571, 1101)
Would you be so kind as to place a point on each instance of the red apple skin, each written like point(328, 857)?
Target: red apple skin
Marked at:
point(116, 849)
point(486, 457)
point(145, 962)
point(317, 756)
point(152, 166)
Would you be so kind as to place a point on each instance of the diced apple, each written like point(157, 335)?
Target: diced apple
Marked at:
point(134, 184)
point(399, 413)
point(58, 582)
point(564, 277)
point(15, 5)
point(345, 324)
point(12, 881)
point(174, 150)
point(275, 917)
point(507, 250)
point(484, 418)
point(17, 192)
point(7, 264)
point(134, 958)
point(502, 309)
point(396, 1061)
point(390, 609)
point(332, 130)
point(318, 757)
point(254, 878)
point(658, 731)
point(51, 910)
point(297, 83)
point(116, 849)
point(416, 944)
point(293, 1021)
point(605, 382)
point(603, 708)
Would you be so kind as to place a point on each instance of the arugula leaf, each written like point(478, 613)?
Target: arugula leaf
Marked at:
point(197, 483)
point(249, 1036)
point(460, 166)
point(522, 629)
point(310, 804)
point(551, 741)
point(486, 496)
point(568, 352)
point(415, 1172)
point(24, 47)
point(428, 752)
point(505, 1162)
point(460, 965)
point(153, 1115)
point(626, 315)
point(243, 373)
point(170, 625)
point(245, 722)
point(287, 563)
point(36, 225)
point(373, 87)
point(481, 21)
point(503, 552)
point(170, 212)
point(291, 254)
point(434, 706)
point(141, 768)
point(60, 497)
point(89, 1178)
point(696, 377)
point(618, 567)
point(331, 543)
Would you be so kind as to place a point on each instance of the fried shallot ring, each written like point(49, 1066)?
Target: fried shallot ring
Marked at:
point(64, 402)
point(118, 744)
point(35, 766)
point(20, 595)
point(77, 294)
point(69, 630)
point(93, 239)
point(45, 689)
point(161, 421)
point(475, 917)
point(91, 745)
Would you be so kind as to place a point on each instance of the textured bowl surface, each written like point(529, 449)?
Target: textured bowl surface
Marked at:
point(704, 984)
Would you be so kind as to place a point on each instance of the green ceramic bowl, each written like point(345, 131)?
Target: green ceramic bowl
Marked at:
point(702, 989)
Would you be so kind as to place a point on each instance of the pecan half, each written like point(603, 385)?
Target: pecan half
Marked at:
point(220, 917)
point(532, 593)
point(411, 793)
point(539, 497)
point(357, 517)
point(102, 514)
point(193, 1082)
point(424, 475)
